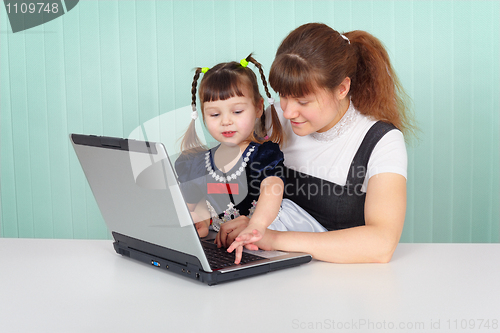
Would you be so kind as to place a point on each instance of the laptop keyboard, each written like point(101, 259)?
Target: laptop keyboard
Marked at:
point(219, 258)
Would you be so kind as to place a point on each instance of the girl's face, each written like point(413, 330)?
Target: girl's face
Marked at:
point(316, 112)
point(232, 121)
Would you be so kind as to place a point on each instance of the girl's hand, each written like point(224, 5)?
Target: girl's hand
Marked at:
point(246, 238)
point(230, 230)
point(201, 225)
point(265, 243)
point(202, 229)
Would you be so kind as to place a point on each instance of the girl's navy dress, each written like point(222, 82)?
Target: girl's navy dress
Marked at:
point(228, 195)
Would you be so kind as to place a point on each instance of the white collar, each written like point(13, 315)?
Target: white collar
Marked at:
point(340, 128)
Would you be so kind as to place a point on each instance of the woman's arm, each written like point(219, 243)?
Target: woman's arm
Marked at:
point(385, 208)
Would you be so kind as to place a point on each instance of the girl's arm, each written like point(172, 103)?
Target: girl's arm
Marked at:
point(201, 217)
point(385, 208)
point(268, 206)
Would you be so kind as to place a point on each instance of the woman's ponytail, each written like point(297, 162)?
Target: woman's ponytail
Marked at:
point(314, 55)
point(375, 87)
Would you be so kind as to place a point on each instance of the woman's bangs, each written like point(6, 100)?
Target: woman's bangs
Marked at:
point(220, 86)
point(291, 76)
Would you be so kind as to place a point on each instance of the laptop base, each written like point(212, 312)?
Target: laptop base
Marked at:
point(141, 251)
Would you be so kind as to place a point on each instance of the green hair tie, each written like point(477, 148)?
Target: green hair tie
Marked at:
point(244, 62)
point(204, 70)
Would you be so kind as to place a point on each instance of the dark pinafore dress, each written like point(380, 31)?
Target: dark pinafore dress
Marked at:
point(334, 206)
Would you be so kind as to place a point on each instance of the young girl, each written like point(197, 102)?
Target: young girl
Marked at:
point(226, 182)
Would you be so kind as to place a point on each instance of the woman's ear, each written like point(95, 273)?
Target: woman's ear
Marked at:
point(344, 87)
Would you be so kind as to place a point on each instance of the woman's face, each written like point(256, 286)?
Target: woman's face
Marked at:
point(316, 112)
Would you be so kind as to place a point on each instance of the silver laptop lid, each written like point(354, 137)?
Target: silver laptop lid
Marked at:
point(127, 178)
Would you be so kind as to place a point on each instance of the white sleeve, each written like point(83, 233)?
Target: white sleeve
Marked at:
point(389, 155)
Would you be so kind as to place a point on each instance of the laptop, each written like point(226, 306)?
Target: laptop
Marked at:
point(138, 194)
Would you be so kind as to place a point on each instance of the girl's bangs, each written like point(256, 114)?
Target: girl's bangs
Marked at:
point(290, 75)
point(221, 86)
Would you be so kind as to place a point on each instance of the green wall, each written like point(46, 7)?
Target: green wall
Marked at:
point(106, 67)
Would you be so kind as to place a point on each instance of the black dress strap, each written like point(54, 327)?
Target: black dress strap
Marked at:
point(335, 206)
point(359, 164)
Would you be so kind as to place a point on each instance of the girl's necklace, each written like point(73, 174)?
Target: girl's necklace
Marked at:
point(235, 174)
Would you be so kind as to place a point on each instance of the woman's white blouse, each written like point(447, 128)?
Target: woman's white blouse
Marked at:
point(329, 155)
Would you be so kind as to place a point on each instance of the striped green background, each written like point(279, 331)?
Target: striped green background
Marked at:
point(107, 67)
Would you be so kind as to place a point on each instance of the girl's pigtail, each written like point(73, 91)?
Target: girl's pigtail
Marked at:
point(191, 143)
point(277, 135)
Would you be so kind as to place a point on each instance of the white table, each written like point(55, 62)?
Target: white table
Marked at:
point(83, 286)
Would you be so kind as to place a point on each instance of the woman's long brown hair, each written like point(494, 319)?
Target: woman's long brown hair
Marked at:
point(316, 56)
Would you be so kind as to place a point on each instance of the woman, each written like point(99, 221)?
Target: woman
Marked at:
point(344, 116)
